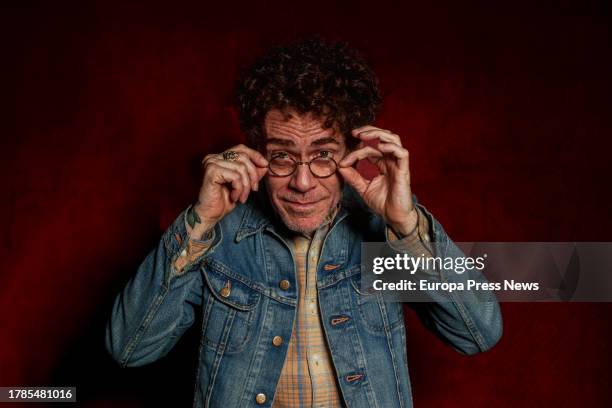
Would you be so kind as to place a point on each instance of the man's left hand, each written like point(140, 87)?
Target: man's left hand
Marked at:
point(388, 194)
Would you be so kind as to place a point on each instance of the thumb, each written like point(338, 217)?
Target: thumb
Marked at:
point(261, 171)
point(354, 179)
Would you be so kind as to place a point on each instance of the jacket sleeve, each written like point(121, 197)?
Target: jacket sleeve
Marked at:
point(469, 321)
point(157, 305)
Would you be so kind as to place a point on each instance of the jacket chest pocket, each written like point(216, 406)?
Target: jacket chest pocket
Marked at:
point(230, 310)
point(376, 315)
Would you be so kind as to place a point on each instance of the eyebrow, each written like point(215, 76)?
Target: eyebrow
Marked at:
point(289, 142)
point(280, 142)
point(324, 141)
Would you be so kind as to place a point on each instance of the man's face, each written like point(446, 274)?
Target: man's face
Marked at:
point(302, 200)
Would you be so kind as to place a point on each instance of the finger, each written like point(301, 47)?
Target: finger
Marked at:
point(370, 153)
point(255, 176)
point(359, 154)
point(396, 151)
point(368, 128)
point(382, 136)
point(244, 175)
point(241, 168)
point(257, 158)
point(206, 160)
point(354, 179)
point(261, 171)
point(365, 128)
point(255, 161)
point(250, 168)
point(223, 176)
point(379, 163)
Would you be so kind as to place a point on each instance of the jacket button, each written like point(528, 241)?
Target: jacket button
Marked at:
point(260, 398)
point(225, 291)
point(284, 284)
point(277, 341)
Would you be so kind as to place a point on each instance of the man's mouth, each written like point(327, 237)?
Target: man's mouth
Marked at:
point(302, 205)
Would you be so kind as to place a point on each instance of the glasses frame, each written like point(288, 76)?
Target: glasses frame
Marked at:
point(297, 163)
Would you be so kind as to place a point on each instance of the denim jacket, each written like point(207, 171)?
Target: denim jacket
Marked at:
point(236, 285)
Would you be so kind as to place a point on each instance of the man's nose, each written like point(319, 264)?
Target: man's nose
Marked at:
point(302, 180)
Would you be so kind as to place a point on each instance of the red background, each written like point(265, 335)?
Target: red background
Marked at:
point(505, 110)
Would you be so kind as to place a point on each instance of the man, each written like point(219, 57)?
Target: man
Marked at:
point(271, 251)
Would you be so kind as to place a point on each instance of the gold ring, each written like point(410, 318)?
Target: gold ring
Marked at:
point(231, 155)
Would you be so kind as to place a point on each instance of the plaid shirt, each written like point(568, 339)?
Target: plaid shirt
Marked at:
point(308, 378)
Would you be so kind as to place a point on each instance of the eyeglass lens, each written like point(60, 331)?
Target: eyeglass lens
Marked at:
point(283, 166)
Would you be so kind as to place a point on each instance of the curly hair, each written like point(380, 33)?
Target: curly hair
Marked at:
point(327, 79)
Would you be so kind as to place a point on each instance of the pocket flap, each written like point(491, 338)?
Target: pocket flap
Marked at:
point(229, 287)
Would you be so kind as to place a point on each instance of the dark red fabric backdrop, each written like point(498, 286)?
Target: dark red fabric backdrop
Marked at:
point(110, 106)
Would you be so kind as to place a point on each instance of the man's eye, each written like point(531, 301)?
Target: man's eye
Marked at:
point(325, 153)
point(280, 155)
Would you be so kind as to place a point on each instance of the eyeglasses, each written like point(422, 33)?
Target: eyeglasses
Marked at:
point(282, 165)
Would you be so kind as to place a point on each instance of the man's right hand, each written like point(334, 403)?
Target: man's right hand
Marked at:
point(226, 182)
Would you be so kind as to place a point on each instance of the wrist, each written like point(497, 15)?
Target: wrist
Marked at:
point(410, 226)
point(202, 221)
point(198, 226)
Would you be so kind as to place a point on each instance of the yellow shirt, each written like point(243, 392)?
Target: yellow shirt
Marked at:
point(308, 378)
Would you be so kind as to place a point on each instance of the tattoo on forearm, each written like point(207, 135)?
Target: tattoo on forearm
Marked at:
point(192, 217)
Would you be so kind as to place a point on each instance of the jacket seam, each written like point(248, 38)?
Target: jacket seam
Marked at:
point(388, 336)
point(137, 337)
point(219, 353)
point(467, 320)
